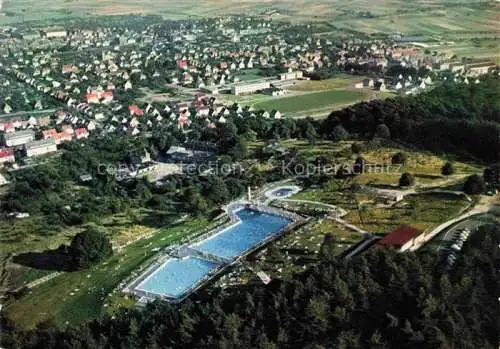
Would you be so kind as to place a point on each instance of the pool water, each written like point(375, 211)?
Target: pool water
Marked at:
point(282, 192)
point(176, 276)
point(254, 227)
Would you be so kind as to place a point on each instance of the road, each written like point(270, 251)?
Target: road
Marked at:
point(486, 204)
point(31, 112)
point(471, 224)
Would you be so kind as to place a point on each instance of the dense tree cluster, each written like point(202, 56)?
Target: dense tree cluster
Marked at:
point(89, 247)
point(381, 299)
point(459, 119)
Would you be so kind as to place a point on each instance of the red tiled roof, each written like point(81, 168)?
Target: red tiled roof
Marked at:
point(135, 110)
point(400, 236)
point(107, 95)
point(81, 132)
point(5, 153)
point(49, 133)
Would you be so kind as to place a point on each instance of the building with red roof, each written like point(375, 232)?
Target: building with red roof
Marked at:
point(81, 133)
point(62, 137)
point(135, 110)
point(402, 238)
point(49, 133)
point(7, 155)
point(107, 96)
point(183, 64)
point(93, 97)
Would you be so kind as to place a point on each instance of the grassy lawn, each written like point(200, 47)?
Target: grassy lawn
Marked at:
point(249, 74)
point(337, 83)
point(423, 211)
point(312, 101)
point(77, 296)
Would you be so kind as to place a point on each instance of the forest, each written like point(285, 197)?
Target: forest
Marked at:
point(381, 299)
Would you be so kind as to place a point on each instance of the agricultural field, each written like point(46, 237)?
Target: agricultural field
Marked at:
point(76, 296)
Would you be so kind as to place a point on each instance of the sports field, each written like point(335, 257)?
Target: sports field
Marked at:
point(312, 101)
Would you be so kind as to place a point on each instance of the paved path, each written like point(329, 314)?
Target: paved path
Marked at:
point(348, 225)
point(42, 279)
point(32, 112)
point(341, 212)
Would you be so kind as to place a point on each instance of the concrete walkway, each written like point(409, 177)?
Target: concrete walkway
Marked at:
point(42, 279)
point(348, 225)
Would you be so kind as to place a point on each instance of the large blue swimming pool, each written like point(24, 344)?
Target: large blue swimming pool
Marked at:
point(176, 276)
point(254, 227)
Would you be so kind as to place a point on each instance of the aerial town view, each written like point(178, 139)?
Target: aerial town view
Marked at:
point(317, 174)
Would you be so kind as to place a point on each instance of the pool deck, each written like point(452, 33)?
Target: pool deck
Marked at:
point(223, 263)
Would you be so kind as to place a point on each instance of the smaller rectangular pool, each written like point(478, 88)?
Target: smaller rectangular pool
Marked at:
point(176, 276)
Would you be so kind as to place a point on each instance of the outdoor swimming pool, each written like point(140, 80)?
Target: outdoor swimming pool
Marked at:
point(282, 192)
point(176, 276)
point(253, 228)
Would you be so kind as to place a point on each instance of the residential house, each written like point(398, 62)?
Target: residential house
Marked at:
point(7, 155)
point(107, 97)
point(135, 110)
point(49, 133)
point(61, 137)
point(81, 133)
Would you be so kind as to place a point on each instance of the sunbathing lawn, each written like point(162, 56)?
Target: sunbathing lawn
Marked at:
point(78, 296)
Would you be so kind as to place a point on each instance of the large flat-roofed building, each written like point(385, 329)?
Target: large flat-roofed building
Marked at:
point(478, 69)
point(54, 33)
point(292, 76)
point(18, 138)
point(44, 146)
point(250, 87)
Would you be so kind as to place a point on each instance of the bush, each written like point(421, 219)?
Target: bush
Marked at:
point(406, 180)
point(399, 158)
point(447, 169)
point(474, 185)
point(356, 148)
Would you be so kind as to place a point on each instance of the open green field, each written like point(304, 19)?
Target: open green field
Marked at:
point(423, 211)
point(340, 82)
point(312, 101)
point(309, 98)
point(76, 296)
